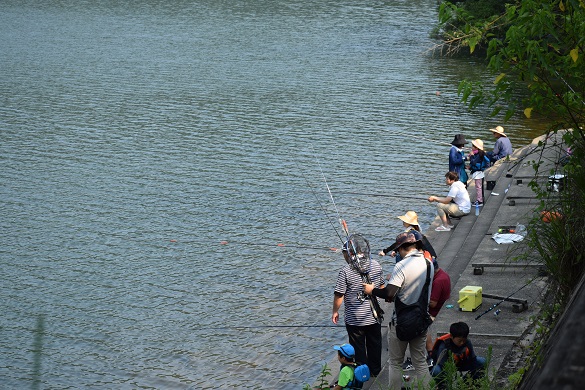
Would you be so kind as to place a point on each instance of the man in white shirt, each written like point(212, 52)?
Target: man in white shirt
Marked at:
point(455, 204)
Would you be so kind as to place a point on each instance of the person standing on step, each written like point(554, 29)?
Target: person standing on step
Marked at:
point(440, 293)
point(363, 316)
point(410, 284)
point(478, 162)
point(455, 204)
point(457, 158)
point(502, 147)
point(410, 222)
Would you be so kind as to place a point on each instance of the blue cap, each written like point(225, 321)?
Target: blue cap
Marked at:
point(346, 350)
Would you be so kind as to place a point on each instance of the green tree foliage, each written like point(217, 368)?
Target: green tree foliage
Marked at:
point(535, 48)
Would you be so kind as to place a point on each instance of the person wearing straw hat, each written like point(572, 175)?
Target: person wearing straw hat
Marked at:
point(502, 147)
point(478, 162)
point(457, 158)
point(409, 285)
point(410, 222)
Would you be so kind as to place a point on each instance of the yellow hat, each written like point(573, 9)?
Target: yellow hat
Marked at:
point(477, 143)
point(409, 217)
point(499, 130)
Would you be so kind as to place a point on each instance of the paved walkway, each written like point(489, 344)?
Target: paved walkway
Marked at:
point(472, 257)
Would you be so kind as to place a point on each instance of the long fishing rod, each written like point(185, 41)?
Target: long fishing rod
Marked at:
point(569, 86)
point(341, 220)
point(377, 311)
point(505, 299)
point(387, 195)
point(530, 152)
point(280, 245)
point(319, 202)
point(275, 326)
point(349, 193)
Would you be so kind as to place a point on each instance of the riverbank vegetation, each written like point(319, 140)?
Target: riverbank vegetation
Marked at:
point(535, 48)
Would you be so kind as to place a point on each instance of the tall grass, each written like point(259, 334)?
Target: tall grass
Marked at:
point(557, 231)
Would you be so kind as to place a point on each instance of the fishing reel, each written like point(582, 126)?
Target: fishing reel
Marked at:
point(362, 296)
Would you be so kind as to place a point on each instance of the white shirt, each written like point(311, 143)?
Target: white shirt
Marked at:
point(460, 196)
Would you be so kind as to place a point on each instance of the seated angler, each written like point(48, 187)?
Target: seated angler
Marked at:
point(456, 344)
point(502, 147)
point(455, 204)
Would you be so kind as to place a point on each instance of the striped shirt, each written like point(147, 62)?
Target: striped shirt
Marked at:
point(349, 284)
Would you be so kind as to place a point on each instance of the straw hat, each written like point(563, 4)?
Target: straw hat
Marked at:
point(409, 217)
point(477, 143)
point(499, 130)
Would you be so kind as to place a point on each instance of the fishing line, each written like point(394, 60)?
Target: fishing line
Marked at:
point(280, 245)
point(275, 326)
point(567, 84)
point(377, 311)
point(386, 195)
point(341, 221)
point(543, 146)
point(276, 192)
point(319, 202)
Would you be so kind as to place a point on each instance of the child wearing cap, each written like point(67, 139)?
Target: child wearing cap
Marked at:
point(346, 356)
point(478, 162)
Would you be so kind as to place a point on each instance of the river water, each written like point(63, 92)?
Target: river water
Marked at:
point(165, 216)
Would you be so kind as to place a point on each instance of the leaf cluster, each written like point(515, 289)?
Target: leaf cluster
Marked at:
point(535, 49)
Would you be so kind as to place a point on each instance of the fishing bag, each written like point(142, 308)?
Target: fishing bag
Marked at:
point(413, 320)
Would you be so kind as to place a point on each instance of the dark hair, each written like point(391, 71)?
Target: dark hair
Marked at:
point(349, 359)
point(459, 329)
point(452, 176)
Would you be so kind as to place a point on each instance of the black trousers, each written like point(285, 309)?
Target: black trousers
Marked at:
point(367, 342)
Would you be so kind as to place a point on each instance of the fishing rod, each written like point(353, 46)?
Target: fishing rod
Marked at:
point(569, 86)
point(377, 311)
point(530, 152)
point(341, 220)
point(387, 195)
point(281, 245)
point(505, 299)
point(275, 326)
point(319, 202)
point(276, 192)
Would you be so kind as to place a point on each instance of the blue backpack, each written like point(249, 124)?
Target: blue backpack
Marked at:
point(361, 374)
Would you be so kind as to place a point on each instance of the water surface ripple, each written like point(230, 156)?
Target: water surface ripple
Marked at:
point(155, 154)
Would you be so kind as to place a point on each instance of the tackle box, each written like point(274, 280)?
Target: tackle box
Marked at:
point(469, 298)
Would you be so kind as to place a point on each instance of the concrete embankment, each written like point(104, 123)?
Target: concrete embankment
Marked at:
point(471, 256)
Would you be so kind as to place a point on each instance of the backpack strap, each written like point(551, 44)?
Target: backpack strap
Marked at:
point(424, 293)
